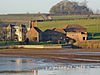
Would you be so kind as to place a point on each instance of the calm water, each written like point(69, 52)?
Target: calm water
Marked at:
point(37, 66)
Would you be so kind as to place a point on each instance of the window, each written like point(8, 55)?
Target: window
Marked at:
point(35, 38)
point(83, 38)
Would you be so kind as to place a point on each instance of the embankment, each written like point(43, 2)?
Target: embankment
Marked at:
point(89, 44)
point(36, 46)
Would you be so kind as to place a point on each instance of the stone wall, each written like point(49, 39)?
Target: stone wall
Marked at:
point(53, 36)
point(78, 36)
point(88, 44)
point(34, 46)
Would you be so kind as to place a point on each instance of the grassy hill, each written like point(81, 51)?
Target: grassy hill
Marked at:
point(75, 16)
point(20, 16)
point(92, 25)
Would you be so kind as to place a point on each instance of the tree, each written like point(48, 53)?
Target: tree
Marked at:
point(67, 7)
point(3, 35)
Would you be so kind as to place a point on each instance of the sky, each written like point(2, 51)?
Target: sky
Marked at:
point(35, 6)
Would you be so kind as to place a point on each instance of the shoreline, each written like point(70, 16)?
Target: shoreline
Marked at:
point(35, 47)
point(61, 55)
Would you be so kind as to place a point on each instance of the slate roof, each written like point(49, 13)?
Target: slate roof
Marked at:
point(59, 30)
point(37, 29)
point(56, 30)
point(75, 28)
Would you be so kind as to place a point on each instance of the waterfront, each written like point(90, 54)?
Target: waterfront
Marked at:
point(10, 65)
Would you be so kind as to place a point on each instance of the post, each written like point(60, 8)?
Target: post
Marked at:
point(32, 24)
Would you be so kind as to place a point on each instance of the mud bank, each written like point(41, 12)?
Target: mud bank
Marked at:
point(64, 55)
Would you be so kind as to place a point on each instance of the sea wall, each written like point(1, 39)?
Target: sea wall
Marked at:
point(90, 44)
point(36, 46)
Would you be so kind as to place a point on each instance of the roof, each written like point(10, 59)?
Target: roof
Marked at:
point(56, 30)
point(59, 30)
point(50, 30)
point(37, 29)
point(75, 28)
point(33, 32)
point(2, 24)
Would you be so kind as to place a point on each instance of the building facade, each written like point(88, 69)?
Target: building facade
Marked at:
point(34, 34)
point(78, 36)
point(55, 35)
point(16, 32)
point(76, 32)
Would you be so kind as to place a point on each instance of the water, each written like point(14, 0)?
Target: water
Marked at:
point(36, 66)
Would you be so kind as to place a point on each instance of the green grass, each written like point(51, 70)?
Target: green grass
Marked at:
point(43, 43)
point(2, 43)
point(92, 25)
point(74, 16)
point(93, 28)
point(39, 17)
point(68, 17)
point(9, 43)
point(20, 17)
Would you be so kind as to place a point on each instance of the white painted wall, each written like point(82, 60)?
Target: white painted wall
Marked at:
point(18, 32)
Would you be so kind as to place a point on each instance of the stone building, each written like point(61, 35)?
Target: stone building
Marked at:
point(16, 32)
point(54, 35)
point(76, 32)
point(34, 34)
point(49, 35)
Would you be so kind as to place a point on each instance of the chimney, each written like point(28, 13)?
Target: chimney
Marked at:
point(36, 24)
point(32, 24)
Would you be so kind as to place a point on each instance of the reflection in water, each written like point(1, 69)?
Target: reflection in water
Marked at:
point(35, 72)
point(19, 64)
point(37, 66)
point(18, 61)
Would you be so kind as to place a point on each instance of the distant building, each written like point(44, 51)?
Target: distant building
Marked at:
point(16, 32)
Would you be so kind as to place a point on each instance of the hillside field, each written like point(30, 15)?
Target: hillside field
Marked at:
point(75, 16)
point(92, 25)
point(40, 17)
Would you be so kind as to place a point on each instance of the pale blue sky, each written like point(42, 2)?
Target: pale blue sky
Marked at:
point(34, 6)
